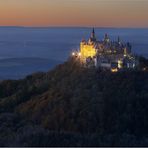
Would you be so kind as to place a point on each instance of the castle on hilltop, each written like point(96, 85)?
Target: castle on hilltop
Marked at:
point(106, 54)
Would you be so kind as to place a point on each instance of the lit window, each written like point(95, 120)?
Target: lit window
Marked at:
point(114, 70)
point(79, 54)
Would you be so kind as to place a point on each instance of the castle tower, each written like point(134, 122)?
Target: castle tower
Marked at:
point(93, 37)
point(93, 33)
point(119, 41)
point(87, 49)
point(106, 38)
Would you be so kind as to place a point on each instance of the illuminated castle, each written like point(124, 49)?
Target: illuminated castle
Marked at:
point(106, 54)
point(87, 49)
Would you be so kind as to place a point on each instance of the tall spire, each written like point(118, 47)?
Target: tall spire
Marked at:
point(93, 38)
point(93, 31)
point(119, 41)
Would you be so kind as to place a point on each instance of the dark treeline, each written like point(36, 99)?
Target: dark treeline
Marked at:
point(75, 106)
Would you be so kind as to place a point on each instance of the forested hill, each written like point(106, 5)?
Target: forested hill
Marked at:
point(75, 106)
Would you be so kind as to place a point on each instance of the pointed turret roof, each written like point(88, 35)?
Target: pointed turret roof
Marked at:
point(93, 38)
point(93, 31)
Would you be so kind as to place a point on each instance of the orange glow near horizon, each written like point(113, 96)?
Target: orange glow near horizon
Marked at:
point(98, 13)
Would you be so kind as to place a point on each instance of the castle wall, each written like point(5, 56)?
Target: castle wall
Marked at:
point(87, 51)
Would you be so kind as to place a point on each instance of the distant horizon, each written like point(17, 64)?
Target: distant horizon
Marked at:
point(72, 27)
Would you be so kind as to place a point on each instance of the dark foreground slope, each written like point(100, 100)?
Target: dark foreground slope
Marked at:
point(74, 106)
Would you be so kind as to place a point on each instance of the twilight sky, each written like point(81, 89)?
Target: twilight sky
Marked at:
point(100, 13)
